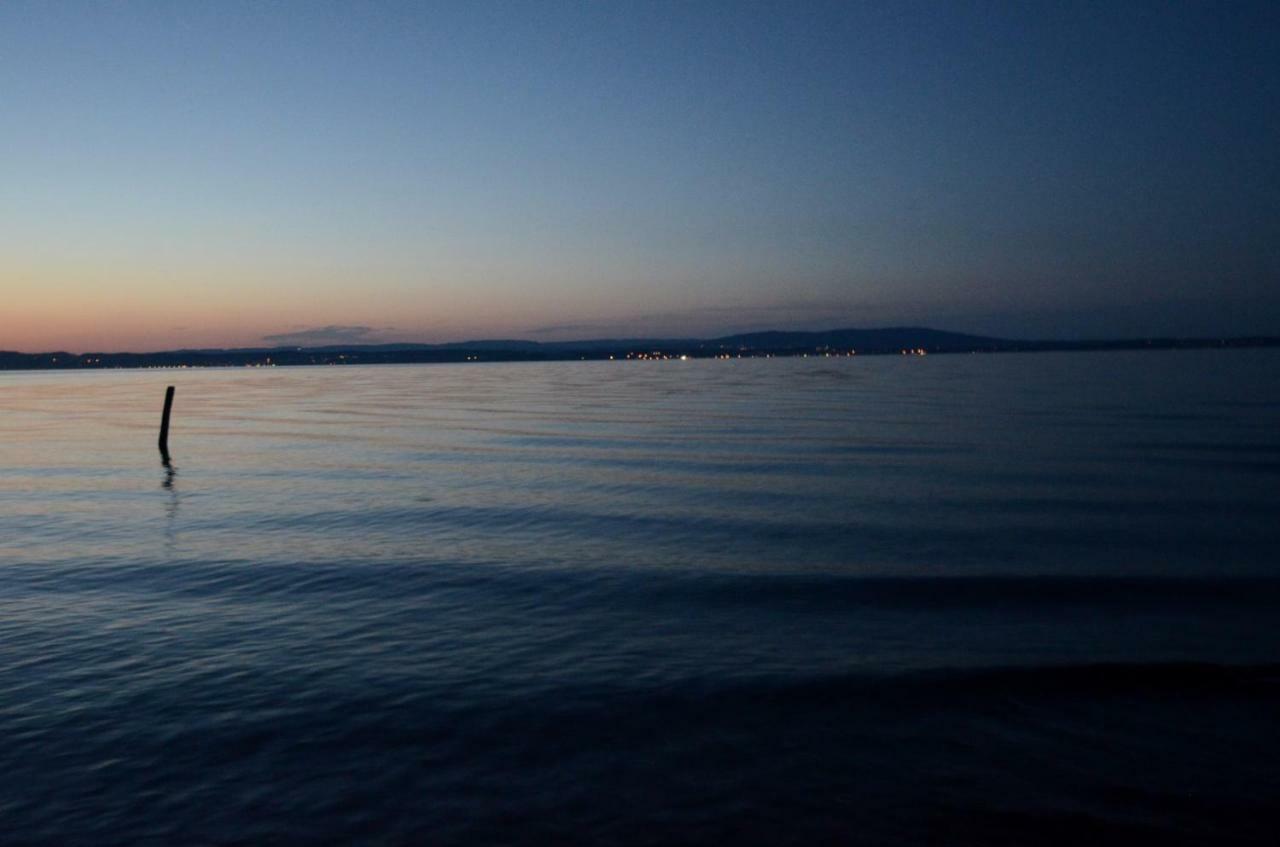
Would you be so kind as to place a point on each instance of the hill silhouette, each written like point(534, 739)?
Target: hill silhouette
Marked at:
point(880, 341)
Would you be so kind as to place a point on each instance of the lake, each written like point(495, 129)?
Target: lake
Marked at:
point(968, 599)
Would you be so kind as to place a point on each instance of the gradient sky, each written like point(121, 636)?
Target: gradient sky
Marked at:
point(213, 174)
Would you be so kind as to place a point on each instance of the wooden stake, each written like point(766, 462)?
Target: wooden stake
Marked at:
point(164, 422)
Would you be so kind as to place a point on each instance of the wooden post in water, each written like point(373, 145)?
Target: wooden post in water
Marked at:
point(164, 422)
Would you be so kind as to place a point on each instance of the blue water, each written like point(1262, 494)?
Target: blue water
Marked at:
point(956, 599)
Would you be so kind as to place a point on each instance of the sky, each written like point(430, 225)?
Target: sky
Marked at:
point(232, 174)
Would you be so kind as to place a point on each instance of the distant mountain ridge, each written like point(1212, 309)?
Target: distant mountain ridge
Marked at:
point(885, 340)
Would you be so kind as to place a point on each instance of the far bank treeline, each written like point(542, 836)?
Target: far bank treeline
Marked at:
point(841, 342)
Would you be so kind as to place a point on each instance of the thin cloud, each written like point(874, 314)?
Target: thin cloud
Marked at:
point(331, 334)
point(720, 320)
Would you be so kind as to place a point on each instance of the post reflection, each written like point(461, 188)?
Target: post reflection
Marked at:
point(171, 506)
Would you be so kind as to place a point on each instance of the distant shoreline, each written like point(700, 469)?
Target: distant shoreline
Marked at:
point(841, 342)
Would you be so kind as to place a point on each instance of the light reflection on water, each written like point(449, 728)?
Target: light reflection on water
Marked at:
point(1084, 463)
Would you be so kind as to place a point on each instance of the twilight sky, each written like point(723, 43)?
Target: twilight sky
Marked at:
point(217, 174)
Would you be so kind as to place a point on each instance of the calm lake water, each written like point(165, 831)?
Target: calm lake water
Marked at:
point(954, 599)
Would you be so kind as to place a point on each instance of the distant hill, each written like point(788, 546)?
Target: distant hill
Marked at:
point(888, 340)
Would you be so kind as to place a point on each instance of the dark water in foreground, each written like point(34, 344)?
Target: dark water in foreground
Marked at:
point(1021, 599)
